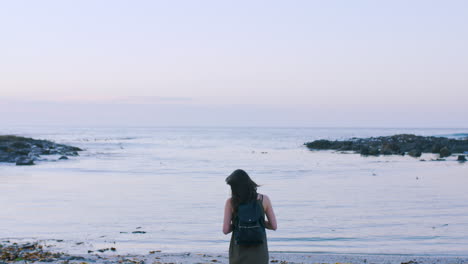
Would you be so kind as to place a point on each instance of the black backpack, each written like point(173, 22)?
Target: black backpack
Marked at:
point(249, 224)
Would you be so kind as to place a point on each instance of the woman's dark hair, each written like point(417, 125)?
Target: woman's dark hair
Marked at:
point(242, 187)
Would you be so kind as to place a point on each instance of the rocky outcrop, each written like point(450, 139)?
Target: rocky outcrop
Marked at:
point(24, 151)
point(22, 161)
point(445, 152)
point(415, 153)
point(394, 145)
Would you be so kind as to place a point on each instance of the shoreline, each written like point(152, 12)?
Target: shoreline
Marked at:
point(38, 253)
point(412, 180)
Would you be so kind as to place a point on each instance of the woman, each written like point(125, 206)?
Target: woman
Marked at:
point(244, 190)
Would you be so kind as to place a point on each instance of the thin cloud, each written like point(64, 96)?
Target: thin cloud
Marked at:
point(151, 100)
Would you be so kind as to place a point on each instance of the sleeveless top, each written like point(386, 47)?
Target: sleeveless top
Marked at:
point(249, 254)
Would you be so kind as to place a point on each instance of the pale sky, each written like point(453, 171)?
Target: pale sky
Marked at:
point(266, 63)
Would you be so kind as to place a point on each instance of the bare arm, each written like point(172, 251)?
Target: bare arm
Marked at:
point(227, 227)
point(270, 214)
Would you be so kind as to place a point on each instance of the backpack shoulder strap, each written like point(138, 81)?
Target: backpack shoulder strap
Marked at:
point(261, 197)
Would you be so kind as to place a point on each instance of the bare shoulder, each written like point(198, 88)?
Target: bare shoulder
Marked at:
point(228, 206)
point(266, 200)
point(265, 197)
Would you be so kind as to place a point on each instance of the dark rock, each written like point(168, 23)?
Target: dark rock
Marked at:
point(29, 246)
point(138, 232)
point(369, 151)
point(436, 148)
point(73, 148)
point(24, 161)
point(24, 151)
point(390, 148)
point(410, 262)
point(63, 158)
point(320, 144)
point(75, 257)
point(374, 151)
point(392, 145)
point(386, 152)
point(29, 252)
point(364, 150)
point(445, 152)
point(461, 158)
point(415, 153)
point(346, 146)
point(20, 145)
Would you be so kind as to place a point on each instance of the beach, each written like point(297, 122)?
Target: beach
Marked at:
point(38, 252)
point(121, 122)
point(145, 189)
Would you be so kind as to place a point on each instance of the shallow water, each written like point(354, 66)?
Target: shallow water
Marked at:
point(169, 182)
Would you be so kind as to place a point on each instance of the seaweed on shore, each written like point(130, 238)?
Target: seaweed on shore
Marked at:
point(27, 252)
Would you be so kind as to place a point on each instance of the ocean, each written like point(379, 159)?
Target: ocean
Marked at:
point(169, 184)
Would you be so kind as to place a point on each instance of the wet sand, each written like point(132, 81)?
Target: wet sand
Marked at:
point(281, 258)
point(37, 253)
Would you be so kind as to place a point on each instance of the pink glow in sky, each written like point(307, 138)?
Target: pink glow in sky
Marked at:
point(363, 63)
